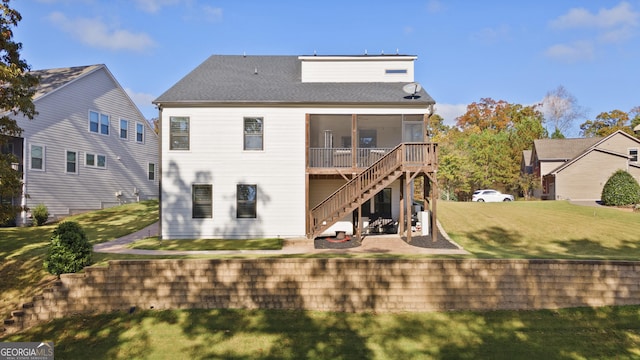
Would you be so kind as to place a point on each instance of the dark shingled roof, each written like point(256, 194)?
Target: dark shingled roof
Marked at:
point(275, 79)
point(53, 79)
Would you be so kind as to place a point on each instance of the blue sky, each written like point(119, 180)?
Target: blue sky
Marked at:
point(515, 51)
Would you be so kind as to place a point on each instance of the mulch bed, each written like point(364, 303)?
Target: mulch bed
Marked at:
point(348, 242)
point(425, 241)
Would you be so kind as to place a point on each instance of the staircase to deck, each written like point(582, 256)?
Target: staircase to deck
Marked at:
point(404, 157)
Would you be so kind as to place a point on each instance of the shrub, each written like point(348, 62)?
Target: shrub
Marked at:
point(621, 189)
point(40, 214)
point(69, 251)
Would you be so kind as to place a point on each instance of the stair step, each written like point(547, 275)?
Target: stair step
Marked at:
point(9, 321)
point(17, 313)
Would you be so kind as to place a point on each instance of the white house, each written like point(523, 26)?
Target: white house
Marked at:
point(88, 148)
point(255, 146)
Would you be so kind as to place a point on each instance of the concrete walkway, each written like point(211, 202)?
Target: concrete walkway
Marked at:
point(378, 244)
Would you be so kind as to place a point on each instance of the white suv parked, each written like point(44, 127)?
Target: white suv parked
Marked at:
point(490, 195)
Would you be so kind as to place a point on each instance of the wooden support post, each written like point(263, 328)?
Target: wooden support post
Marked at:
point(360, 224)
point(408, 203)
point(401, 223)
point(434, 201)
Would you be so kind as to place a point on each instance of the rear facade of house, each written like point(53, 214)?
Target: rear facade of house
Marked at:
point(287, 146)
point(88, 148)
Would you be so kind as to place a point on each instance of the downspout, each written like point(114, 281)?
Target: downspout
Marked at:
point(159, 172)
point(23, 197)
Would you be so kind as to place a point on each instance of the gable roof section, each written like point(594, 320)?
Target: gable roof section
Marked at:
point(54, 79)
point(594, 147)
point(526, 157)
point(562, 149)
point(275, 79)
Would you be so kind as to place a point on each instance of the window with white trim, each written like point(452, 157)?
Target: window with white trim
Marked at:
point(202, 201)
point(124, 129)
point(37, 157)
point(246, 201)
point(98, 123)
point(140, 132)
point(253, 133)
point(151, 171)
point(71, 162)
point(95, 160)
point(633, 154)
point(178, 133)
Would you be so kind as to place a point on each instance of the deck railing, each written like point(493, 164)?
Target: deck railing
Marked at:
point(344, 157)
point(351, 194)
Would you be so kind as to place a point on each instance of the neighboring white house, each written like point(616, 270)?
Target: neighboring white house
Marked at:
point(253, 146)
point(88, 148)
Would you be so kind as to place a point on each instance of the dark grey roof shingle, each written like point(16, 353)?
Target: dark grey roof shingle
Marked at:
point(238, 78)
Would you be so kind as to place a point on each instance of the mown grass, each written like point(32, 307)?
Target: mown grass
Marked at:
point(153, 243)
point(23, 249)
point(542, 229)
point(580, 333)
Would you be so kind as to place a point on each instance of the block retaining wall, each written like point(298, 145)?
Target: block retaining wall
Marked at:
point(349, 285)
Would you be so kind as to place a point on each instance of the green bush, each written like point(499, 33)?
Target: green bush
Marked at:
point(621, 189)
point(69, 251)
point(40, 214)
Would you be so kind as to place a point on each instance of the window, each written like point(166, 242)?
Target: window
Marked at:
point(37, 157)
point(151, 169)
point(124, 129)
point(178, 133)
point(253, 131)
point(139, 132)
point(98, 123)
point(72, 162)
point(93, 160)
point(202, 201)
point(633, 155)
point(246, 201)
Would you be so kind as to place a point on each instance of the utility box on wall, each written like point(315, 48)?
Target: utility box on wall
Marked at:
point(423, 217)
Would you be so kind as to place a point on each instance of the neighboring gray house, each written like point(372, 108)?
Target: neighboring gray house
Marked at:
point(577, 169)
point(288, 146)
point(88, 148)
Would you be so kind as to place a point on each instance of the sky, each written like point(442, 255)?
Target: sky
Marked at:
point(516, 51)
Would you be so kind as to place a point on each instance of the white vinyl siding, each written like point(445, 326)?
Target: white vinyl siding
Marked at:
point(216, 157)
point(61, 125)
point(358, 69)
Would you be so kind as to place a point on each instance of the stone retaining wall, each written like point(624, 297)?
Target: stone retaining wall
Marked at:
point(350, 285)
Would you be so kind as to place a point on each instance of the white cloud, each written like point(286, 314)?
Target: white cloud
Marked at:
point(492, 35)
point(434, 6)
point(95, 33)
point(211, 13)
point(449, 112)
point(571, 53)
point(620, 15)
point(153, 6)
point(140, 98)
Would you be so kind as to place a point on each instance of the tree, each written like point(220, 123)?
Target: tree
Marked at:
point(561, 110)
point(18, 88)
point(606, 123)
point(488, 114)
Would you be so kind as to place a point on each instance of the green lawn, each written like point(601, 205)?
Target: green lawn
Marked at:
point(542, 229)
point(551, 229)
point(208, 244)
point(22, 249)
point(584, 333)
